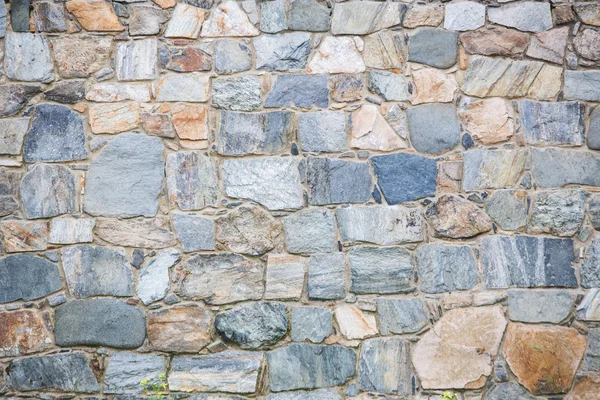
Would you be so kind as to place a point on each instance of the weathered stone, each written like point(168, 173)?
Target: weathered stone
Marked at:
point(399, 316)
point(146, 19)
point(489, 120)
point(149, 233)
point(259, 133)
point(229, 371)
point(508, 209)
point(364, 17)
point(586, 387)
point(594, 208)
point(302, 91)
point(405, 177)
point(310, 323)
point(191, 87)
point(446, 268)
point(551, 45)
point(468, 337)
point(326, 276)
point(185, 22)
point(68, 92)
point(222, 278)
point(228, 19)
point(112, 92)
point(345, 87)
point(591, 361)
point(56, 134)
point(385, 50)
point(371, 131)
point(509, 390)
point(190, 121)
point(433, 86)
point(593, 131)
point(553, 123)
point(23, 332)
point(13, 97)
point(114, 118)
point(557, 212)
point(492, 169)
point(336, 55)
point(20, 236)
point(353, 323)
point(27, 277)
point(95, 15)
point(590, 267)
point(136, 60)
point(589, 309)
point(527, 261)
point(273, 17)
point(48, 191)
point(68, 230)
point(97, 271)
point(99, 322)
point(308, 366)
point(69, 372)
point(428, 14)
point(536, 353)
point(457, 218)
point(27, 58)
point(9, 184)
point(396, 117)
point(533, 306)
point(155, 123)
point(383, 366)
point(310, 231)
point(588, 13)
point(390, 86)
point(559, 167)
point(80, 56)
point(495, 40)
point(525, 16)
point(285, 277)
point(337, 181)
point(464, 16)
point(309, 15)
point(582, 85)
point(191, 180)
point(433, 128)
point(380, 270)
point(19, 15)
point(434, 47)
point(587, 44)
point(320, 394)
point(181, 329)
point(154, 276)
point(283, 51)
point(232, 56)
point(126, 370)
point(185, 59)
point(323, 131)
point(194, 232)
point(238, 94)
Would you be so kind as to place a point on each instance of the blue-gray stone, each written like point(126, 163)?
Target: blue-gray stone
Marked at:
point(528, 16)
point(273, 17)
point(337, 181)
point(310, 231)
point(311, 323)
point(240, 93)
point(48, 191)
point(446, 268)
point(320, 394)
point(56, 134)
point(467, 141)
point(282, 51)
point(254, 133)
point(302, 91)
point(384, 366)
point(126, 370)
point(593, 132)
point(582, 85)
point(326, 274)
point(527, 261)
point(508, 209)
point(509, 390)
point(558, 167)
point(381, 270)
point(433, 128)
point(405, 177)
point(309, 15)
point(591, 360)
point(195, 233)
point(590, 268)
point(539, 306)
point(27, 57)
point(547, 123)
point(323, 131)
point(492, 169)
point(49, 17)
point(14, 96)
point(99, 322)
point(27, 277)
point(3, 14)
point(19, 15)
point(68, 92)
point(390, 86)
point(232, 56)
point(433, 47)
point(558, 212)
point(309, 366)
point(399, 316)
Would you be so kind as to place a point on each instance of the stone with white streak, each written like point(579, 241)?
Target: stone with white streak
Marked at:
point(336, 55)
point(285, 277)
point(401, 315)
point(114, 117)
point(68, 230)
point(191, 180)
point(380, 270)
point(492, 169)
point(137, 60)
point(191, 87)
point(126, 370)
point(384, 366)
point(148, 233)
point(154, 276)
point(385, 50)
point(371, 131)
point(354, 324)
point(390, 86)
point(185, 22)
point(228, 19)
point(364, 17)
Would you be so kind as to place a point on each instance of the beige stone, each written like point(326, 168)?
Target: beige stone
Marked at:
point(450, 176)
point(18, 236)
point(190, 121)
point(423, 15)
point(589, 309)
point(385, 50)
point(589, 13)
point(495, 40)
point(433, 86)
point(181, 329)
point(165, 3)
point(95, 15)
point(186, 22)
point(454, 217)
point(549, 45)
point(354, 324)
point(458, 352)
point(488, 121)
point(114, 118)
point(23, 332)
point(547, 84)
point(336, 54)
point(371, 131)
point(105, 92)
point(194, 144)
point(80, 56)
point(285, 277)
point(586, 387)
point(228, 19)
point(149, 233)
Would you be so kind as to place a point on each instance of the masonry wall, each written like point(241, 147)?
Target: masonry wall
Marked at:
point(294, 199)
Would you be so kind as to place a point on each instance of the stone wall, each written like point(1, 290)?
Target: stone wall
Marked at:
point(300, 200)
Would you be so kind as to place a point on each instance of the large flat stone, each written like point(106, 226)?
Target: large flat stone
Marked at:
point(283, 51)
point(232, 56)
point(326, 276)
point(48, 191)
point(337, 181)
point(95, 15)
point(23, 332)
point(560, 167)
point(185, 22)
point(400, 316)
point(302, 91)
point(12, 134)
point(384, 366)
point(380, 270)
point(194, 232)
point(434, 47)
point(137, 60)
point(492, 169)
point(446, 268)
point(323, 131)
point(310, 323)
point(27, 58)
point(525, 16)
point(14, 96)
point(495, 40)
point(241, 93)
point(27, 277)
point(126, 370)
point(533, 306)
point(114, 118)
point(336, 55)
point(371, 131)
point(191, 180)
point(285, 277)
point(154, 280)
point(385, 50)
point(191, 87)
point(353, 323)
point(19, 236)
point(364, 17)
point(228, 19)
point(79, 56)
point(453, 217)
point(320, 394)
point(558, 212)
point(310, 231)
point(553, 123)
point(489, 120)
point(153, 233)
point(180, 329)
point(309, 15)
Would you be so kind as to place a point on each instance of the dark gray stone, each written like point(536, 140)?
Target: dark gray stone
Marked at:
point(232, 56)
point(590, 268)
point(68, 92)
point(27, 277)
point(19, 15)
point(323, 131)
point(309, 15)
point(240, 93)
point(311, 323)
point(48, 191)
point(509, 390)
point(546, 123)
point(591, 360)
point(582, 85)
point(126, 370)
point(283, 51)
point(302, 91)
point(380, 270)
point(399, 316)
point(527, 261)
point(14, 96)
point(405, 177)
point(433, 47)
point(253, 325)
point(326, 276)
point(539, 306)
point(273, 17)
point(310, 231)
point(99, 322)
point(558, 212)
point(508, 209)
point(338, 181)
point(384, 366)
point(446, 268)
point(56, 134)
point(593, 132)
point(63, 372)
point(256, 133)
point(433, 128)
point(309, 366)
point(194, 232)
point(3, 14)
point(559, 167)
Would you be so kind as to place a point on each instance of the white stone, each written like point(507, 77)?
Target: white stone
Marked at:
point(336, 54)
point(185, 22)
point(111, 91)
point(191, 87)
point(68, 230)
point(154, 277)
point(354, 324)
point(228, 19)
point(136, 60)
point(464, 16)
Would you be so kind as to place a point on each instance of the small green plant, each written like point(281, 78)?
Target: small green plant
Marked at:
point(155, 388)
point(448, 396)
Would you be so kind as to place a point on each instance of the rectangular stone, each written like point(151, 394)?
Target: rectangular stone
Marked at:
point(67, 230)
point(582, 85)
point(148, 233)
point(539, 306)
point(560, 167)
point(402, 315)
point(561, 123)
point(114, 117)
point(326, 276)
point(384, 366)
point(338, 181)
point(137, 60)
point(18, 236)
point(381, 270)
point(285, 277)
point(105, 92)
point(191, 87)
point(361, 18)
point(126, 370)
point(492, 169)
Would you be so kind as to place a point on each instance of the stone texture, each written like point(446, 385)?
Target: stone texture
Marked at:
point(48, 191)
point(593, 132)
point(489, 120)
point(345, 87)
point(591, 361)
point(283, 51)
point(145, 20)
point(492, 169)
point(237, 94)
point(508, 209)
point(588, 13)
point(80, 56)
point(581, 85)
point(585, 387)
point(68, 230)
point(464, 16)
point(433, 86)
point(112, 92)
point(302, 91)
point(285, 277)
point(353, 323)
point(586, 44)
point(371, 131)
point(533, 306)
point(136, 60)
point(591, 264)
point(95, 15)
point(385, 50)
point(423, 15)
point(154, 276)
point(446, 268)
point(27, 58)
point(326, 279)
point(553, 123)
point(509, 390)
point(187, 58)
point(114, 118)
point(456, 218)
point(589, 309)
point(233, 56)
point(228, 19)
point(336, 55)
point(14, 97)
point(181, 329)
point(309, 15)
point(191, 181)
point(550, 45)
point(310, 323)
point(323, 131)
point(495, 40)
point(23, 332)
point(390, 86)
point(383, 366)
point(433, 128)
point(27, 277)
point(399, 316)
point(151, 233)
point(594, 209)
point(254, 133)
point(337, 181)
point(380, 270)
point(559, 213)
point(194, 232)
point(310, 231)
point(190, 87)
point(67, 92)
point(525, 16)
point(24, 235)
point(185, 22)
point(364, 17)
point(559, 167)
point(190, 121)
point(434, 47)
point(126, 370)
point(273, 16)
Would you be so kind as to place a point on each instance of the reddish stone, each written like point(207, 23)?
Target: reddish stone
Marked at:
point(188, 59)
point(179, 329)
point(495, 41)
point(24, 236)
point(23, 332)
point(95, 15)
point(190, 121)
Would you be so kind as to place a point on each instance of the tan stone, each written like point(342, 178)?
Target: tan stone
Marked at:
point(589, 13)
point(433, 86)
point(149, 233)
point(181, 329)
point(20, 236)
point(165, 3)
point(354, 324)
point(114, 118)
point(586, 387)
point(423, 15)
point(454, 217)
point(336, 54)
point(371, 131)
point(80, 56)
point(495, 40)
point(95, 15)
point(547, 84)
point(185, 22)
point(285, 277)
point(488, 121)
point(449, 176)
point(544, 358)
point(190, 121)
point(458, 352)
point(228, 19)
point(549, 45)
point(194, 144)
point(156, 122)
point(385, 50)
point(23, 332)
point(104, 92)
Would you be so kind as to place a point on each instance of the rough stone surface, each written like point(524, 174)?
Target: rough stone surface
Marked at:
point(254, 133)
point(492, 169)
point(27, 277)
point(323, 131)
point(456, 218)
point(553, 123)
point(309, 15)
point(232, 56)
point(154, 276)
point(285, 277)
point(191, 180)
point(391, 87)
point(525, 16)
point(190, 87)
point(185, 22)
point(23, 332)
point(533, 306)
point(560, 167)
point(136, 61)
point(302, 91)
point(433, 47)
point(399, 316)
point(181, 329)
point(310, 323)
point(237, 94)
point(48, 191)
point(27, 58)
point(464, 16)
point(310, 231)
point(383, 366)
point(495, 40)
point(336, 181)
point(432, 86)
point(126, 370)
point(380, 270)
point(581, 85)
point(488, 121)
point(550, 45)
point(433, 128)
point(508, 209)
point(228, 19)
point(283, 51)
point(446, 268)
point(364, 17)
point(371, 131)
point(326, 276)
point(24, 235)
point(95, 15)
point(151, 233)
point(80, 56)
point(15, 96)
point(336, 55)
point(194, 232)
point(355, 324)
point(559, 213)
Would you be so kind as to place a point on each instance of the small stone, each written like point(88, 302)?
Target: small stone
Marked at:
point(112, 92)
point(191, 180)
point(283, 51)
point(464, 16)
point(525, 16)
point(179, 329)
point(95, 15)
point(21, 236)
point(323, 131)
point(509, 390)
point(126, 370)
point(385, 50)
point(310, 231)
point(148, 233)
point(354, 324)
point(238, 94)
point(23, 332)
point(433, 86)
point(591, 264)
point(194, 232)
point(399, 316)
point(559, 167)
point(233, 56)
point(137, 60)
point(390, 86)
point(19, 15)
point(114, 118)
point(492, 169)
point(273, 16)
point(593, 133)
point(27, 58)
point(154, 276)
point(48, 191)
point(589, 309)
point(191, 87)
point(146, 20)
point(13, 97)
point(3, 14)
point(586, 387)
point(434, 47)
point(433, 128)
point(27, 277)
point(302, 91)
point(489, 120)
point(326, 276)
point(446, 268)
point(228, 19)
point(456, 218)
point(185, 59)
point(423, 15)
point(310, 323)
point(586, 44)
point(495, 40)
point(396, 117)
point(285, 277)
point(533, 306)
point(380, 270)
point(309, 15)
point(563, 14)
point(337, 181)
point(68, 92)
point(553, 123)
point(594, 208)
point(384, 366)
point(346, 88)
point(185, 22)
point(559, 213)
point(588, 13)
point(154, 124)
point(67, 230)
point(551, 45)
point(508, 209)
point(336, 55)
point(364, 17)
point(80, 56)
point(371, 131)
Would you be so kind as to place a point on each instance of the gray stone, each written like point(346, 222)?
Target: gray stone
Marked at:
point(154, 280)
point(525, 16)
point(99, 322)
point(593, 132)
point(272, 182)
point(27, 277)
point(582, 85)
point(194, 232)
point(9, 187)
point(68, 92)
point(48, 191)
point(257, 133)
point(337, 181)
point(56, 134)
point(591, 360)
point(49, 17)
point(310, 231)
point(311, 323)
point(557, 212)
point(137, 60)
point(433, 128)
point(282, 51)
point(399, 316)
point(148, 233)
point(68, 230)
point(560, 123)
point(309, 15)
point(508, 209)
point(63, 372)
point(446, 268)
point(326, 276)
point(146, 20)
point(433, 47)
point(126, 370)
point(3, 14)
point(27, 57)
point(380, 270)
point(302, 91)
point(97, 271)
point(309, 366)
point(320, 394)
point(560, 167)
point(346, 87)
point(191, 180)
point(492, 169)
point(253, 325)
point(385, 50)
point(464, 16)
point(273, 17)
point(384, 366)
point(14, 96)
point(125, 179)
point(238, 94)
point(405, 177)
point(364, 17)
point(539, 306)
point(191, 87)
point(232, 56)
point(594, 208)
point(590, 268)
point(509, 390)
point(527, 261)
point(323, 131)
point(390, 86)
point(19, 15)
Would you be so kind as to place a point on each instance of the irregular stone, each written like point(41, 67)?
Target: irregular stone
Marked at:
point(67, 92)
point(336, 55)
point(489, 120)
point(464, 16)
point(399, 316)
point(594, 208)
point(273, 17)
point(434, 47)
point(185, 22)
point(433, 86)
point(353, 323)
point(27, 277)
point(191, 87)
point(99, 322)
point(13, 97)
point(180, 329)
point(80, 56)
point(385, 50)
point(589, 309)
point(191, 180)
point(233, 56)
point(48, 191)
point(586, 44)
point(151, 233)
point(320, 394)
point(21, 236)
point(586, 387)
point(495, 40)
point(370, 131)
point(364, 17)
point(536, 353)
point(285, 277)
point(309, 15)
point(380, 270)
point(146, 20)
point(551, 45)
point(468, 337)
point(190, 121)
point(248, 230)
point(136, 60)
point(114, 118)
point(533, 306)
point(126, 370)
point(282, 51)
point(553, 123)
point(185, 59)
point(194, 232)
point(390, 86)
point(66, 230)
point(590, 267)
point(337, 181)
point(154, 276)
point(509, 390)
point(228, 19)
point(326, 276)
point(423, 15)
point(492, 169)
point(310, 231)
point(457, 218)
point(309, 366)
point(508, 209)
point(582, 85)
point(228, 371)
point(559, 167)
point(557, 212)
point(383, 366)
point(525, 16)
point(323, 131)
point(591, 361)
point(155, 123)
point(527, 261)
point(346, 88)
point(111, 92)
point(302, 91)
point(23, 332)
point(221, 278)
point(238, 94)
point(310, 323)
point(446, 268)
point(593, 132)
point(588, 13)
point(68, 372)
point(433, 128)
point(27, 58)
point(95, 15)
